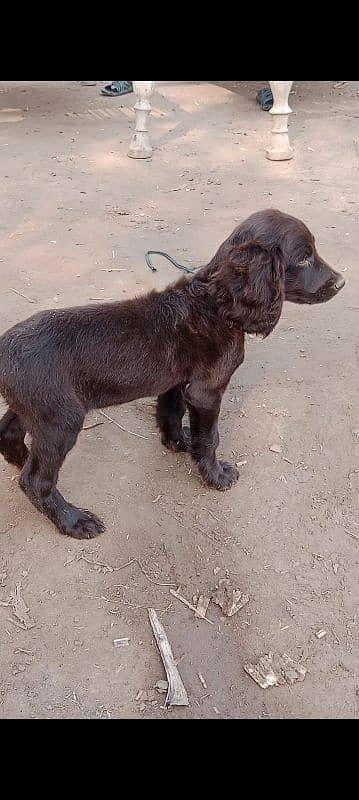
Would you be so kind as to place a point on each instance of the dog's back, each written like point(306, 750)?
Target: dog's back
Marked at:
point(105, 354)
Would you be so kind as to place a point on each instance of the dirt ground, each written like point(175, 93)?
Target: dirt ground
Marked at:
point(75, 207)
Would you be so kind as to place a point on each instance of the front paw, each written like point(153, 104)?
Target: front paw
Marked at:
point(222, 476)
point(80, 524)
point(180, 445)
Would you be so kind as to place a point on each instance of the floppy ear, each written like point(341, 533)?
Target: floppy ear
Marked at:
point(254, 277)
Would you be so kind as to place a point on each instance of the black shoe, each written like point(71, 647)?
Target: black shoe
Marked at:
point(117, 88)
point(265, 99)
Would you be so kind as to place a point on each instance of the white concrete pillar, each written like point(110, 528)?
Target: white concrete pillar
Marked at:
point(140, 146)
point(280, 148)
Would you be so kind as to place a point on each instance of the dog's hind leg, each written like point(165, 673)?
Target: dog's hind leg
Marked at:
point(171, 408)
point(12, 435)
point(50, 444)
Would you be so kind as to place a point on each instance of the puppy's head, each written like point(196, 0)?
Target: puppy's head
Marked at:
point(308, 278)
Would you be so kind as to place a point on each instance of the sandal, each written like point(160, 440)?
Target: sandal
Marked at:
point(117, 88)
point(265, 99)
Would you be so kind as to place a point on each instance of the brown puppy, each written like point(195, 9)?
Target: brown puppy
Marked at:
point(182, 344)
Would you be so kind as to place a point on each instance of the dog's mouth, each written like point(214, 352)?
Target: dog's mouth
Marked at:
point(329, 290)
point(324, 293)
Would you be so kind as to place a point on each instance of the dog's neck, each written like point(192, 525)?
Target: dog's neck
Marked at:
point(238, 299)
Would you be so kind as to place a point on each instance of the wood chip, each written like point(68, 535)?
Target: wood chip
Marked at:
point(202, 606)
point(320, 634)
point(121, 642)
point(202, 679)
point(275, 448)
point(276, 670)
point(229, 599)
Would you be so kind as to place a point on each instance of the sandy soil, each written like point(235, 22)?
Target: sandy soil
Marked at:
point(288, 533)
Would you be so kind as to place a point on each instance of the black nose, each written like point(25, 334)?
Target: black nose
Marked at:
point(340, 282)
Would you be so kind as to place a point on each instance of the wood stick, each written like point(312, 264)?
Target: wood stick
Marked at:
point(140, 436)
point(176, 695)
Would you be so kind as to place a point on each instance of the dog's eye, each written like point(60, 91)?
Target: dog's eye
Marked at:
point(304, 263)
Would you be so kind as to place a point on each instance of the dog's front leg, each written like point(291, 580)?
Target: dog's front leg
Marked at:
point(171, 408)
point(204, 405)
